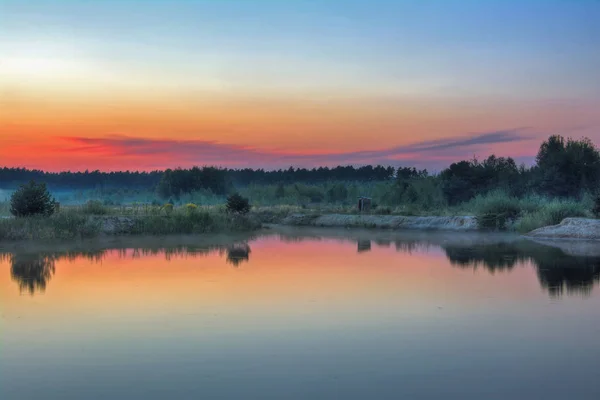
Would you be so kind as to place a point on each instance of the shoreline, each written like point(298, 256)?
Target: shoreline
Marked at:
point(74, 225)
point(569, 229)
point(394, 222)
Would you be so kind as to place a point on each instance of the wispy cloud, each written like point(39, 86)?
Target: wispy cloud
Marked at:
point(161, 153)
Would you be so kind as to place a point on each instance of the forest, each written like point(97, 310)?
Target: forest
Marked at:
point(564, 170)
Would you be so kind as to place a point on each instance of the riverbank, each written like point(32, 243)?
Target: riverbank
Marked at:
point(459, 223)
point(77, 225)
point(569, 228)
point(80, 223)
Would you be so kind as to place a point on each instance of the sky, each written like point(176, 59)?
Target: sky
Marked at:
point(151, 84)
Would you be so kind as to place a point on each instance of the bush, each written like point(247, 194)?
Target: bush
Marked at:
point(280, 192)
point(557, 211)
point(177, 223)
point(313, 194)
point(32, 199)
point(337, 193)
point(191, 208)
point(94, 207)
point(63, 225)
point(596, 208)
point(496, 211)
point(384, 210)
point(237, 204)
point(551, 213)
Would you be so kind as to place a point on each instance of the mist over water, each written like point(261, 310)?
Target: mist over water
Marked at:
point(301, 313)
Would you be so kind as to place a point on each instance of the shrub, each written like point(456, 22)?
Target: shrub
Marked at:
point(530, 222)
point(551, 213)
point(237, 204)
point(596, 208)
point(32, 199)
point(191, 208)
point(63, 225)
point(384, 210)
point(168, 208)
point(496, 211)
point(557, 211)
point(313, 194)
point(94, 207)
point(337, 193)
point(280, 192)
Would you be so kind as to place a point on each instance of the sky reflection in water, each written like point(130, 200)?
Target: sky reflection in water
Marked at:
point(302, 314)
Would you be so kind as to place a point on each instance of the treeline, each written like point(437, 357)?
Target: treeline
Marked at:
point(221, 181)
point(179, 181)
point(315, 175)
point(10, 178)
point(564, 168)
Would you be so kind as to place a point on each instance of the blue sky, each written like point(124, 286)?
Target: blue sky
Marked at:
point(499, 59)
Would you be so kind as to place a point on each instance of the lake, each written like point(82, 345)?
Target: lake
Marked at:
point(300, 314)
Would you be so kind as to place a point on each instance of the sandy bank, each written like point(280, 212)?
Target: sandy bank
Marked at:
point(465, 223)
point(569, 228)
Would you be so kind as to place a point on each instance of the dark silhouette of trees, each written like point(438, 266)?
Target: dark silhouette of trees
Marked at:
point(11, 178)
point(32, 199)
point(179, 181)
point(566, 168)
point(563, 168)
point(237, 204)
point(464, 180)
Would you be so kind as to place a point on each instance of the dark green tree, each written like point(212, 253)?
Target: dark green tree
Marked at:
point(237, 204)
point(32, 199)
point(567, 168)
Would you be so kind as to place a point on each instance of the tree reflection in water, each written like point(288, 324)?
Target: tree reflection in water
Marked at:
point(238, 253)
point(557, 272)
point(32, 273)
point(570, 274)
point(363, 246)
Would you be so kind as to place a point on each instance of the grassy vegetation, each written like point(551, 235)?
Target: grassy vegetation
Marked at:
point(204, 212)
point(550, 213)
point(93, 219)
point(61, 225)
point(499, 211)
point(185, 222)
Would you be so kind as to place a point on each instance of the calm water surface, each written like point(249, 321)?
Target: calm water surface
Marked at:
point(302, 314)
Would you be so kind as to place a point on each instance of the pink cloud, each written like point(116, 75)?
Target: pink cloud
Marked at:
point(127, 153)
point(164, 153)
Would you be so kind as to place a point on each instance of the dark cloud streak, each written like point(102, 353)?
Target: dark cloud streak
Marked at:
point(197, 152)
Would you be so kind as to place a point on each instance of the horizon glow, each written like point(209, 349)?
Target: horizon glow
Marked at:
point(146, 85)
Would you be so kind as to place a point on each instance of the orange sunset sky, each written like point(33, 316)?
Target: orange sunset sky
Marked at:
point(154, 84)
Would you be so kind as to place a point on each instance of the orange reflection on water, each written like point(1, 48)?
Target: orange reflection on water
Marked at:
point(281, 278)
